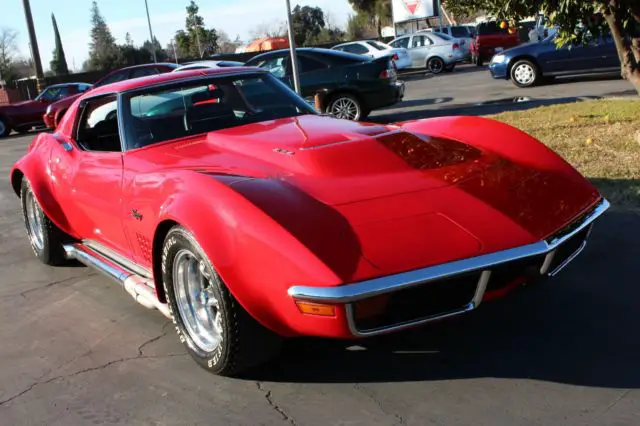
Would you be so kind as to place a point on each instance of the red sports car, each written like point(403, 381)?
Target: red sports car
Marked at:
point(222, 199)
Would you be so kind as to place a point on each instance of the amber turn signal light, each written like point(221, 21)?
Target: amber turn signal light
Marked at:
point(316, 308)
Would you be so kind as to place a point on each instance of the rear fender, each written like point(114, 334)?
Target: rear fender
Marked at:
point(34, 167)
point(256, 258)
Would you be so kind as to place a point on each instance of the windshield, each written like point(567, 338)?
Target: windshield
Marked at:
point(190, 108)
point(377, 45)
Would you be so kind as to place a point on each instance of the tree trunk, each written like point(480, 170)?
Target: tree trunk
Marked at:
point(628, 47)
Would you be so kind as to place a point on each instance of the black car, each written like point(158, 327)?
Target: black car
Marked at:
point(351, 86)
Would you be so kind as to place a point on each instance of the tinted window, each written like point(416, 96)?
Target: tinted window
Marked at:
point(489, 28)
point(142, 72)
point(336, 57)
point(54, 93)
point(401, 42)
point(358, 49)
point(276, 66)
point(375, 45)
point(459, 32)
point(83, 87)
point(115, 77)
point(191, 108)
point(98, 127)
point(308, 64)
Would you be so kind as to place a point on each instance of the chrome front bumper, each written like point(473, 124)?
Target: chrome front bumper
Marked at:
point(350, 293)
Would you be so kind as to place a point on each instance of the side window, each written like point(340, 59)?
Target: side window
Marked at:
point(308, 64)
point(98, 126)
point(113, 78)
point(420, 41)
point(276, 66)
point(143, 72)
point(400, 43)
point(83, 88)
point(356, 48)
point(53, 94)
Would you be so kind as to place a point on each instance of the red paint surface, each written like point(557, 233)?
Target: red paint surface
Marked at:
point(349, 201)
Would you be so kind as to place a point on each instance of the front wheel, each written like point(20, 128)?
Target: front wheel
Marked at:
point(525, 73)
point(435, 65)
point(218, 333)
point(346, 107)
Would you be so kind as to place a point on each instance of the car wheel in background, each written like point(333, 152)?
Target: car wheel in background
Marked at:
point(345, 106)
point(477, 60)
point(524, 73)
point(45, 237)
point(4, 127)
point(435, 65)
point(218, 333)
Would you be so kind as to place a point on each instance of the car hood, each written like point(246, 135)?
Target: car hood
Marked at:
point(20, 104)
point(406, 199)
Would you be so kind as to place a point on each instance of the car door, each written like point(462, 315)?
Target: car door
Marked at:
point(420, 48)
point(313, 75)
point(589, 56)
point(88, 170)
point(403, 43)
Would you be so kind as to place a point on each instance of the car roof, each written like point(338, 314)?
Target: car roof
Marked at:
point(73, 83)
point(153, 80)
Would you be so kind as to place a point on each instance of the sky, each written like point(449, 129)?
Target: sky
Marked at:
point(235, 17)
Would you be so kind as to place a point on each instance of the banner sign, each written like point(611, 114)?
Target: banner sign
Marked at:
point(406, 10)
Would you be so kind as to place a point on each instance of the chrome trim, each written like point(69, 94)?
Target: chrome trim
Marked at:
point(118, 258)
point(347, 294)
point(568, 260)
point(364, 289)
point(139, 288)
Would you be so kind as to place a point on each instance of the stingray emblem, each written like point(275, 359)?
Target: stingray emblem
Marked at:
point(411, 5)
point(283, 151)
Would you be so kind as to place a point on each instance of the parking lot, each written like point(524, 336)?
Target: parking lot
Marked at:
point(77, 350)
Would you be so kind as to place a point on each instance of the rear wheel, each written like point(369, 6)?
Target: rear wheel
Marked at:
point(525, 73)
point(4, 127)
point(218, 333)
point(45, 237)
point(346, 107)
point(435, 65)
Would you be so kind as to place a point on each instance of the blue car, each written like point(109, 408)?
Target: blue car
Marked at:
point(528, 64)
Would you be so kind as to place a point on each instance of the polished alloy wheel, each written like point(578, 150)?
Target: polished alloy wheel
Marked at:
point(199, 308)
point(524, 74)
point(35, 222)
point(345, 108)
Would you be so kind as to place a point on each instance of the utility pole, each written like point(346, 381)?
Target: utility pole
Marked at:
point(153, 45)
point(35, 53)
point(292, 48)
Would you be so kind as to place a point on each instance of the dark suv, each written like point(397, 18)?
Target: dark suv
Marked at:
point(56, 110)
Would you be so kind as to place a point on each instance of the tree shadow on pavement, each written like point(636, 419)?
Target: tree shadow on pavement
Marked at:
point(579, 328)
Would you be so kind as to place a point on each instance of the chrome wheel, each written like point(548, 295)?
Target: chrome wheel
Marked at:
point(199, 308)
point(524, 74)
point(34, 221)
point(345, 108)
point(435, 65)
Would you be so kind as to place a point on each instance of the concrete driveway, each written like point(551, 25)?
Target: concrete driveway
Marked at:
point(77, 350)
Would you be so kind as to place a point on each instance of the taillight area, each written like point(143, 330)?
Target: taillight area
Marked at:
point(395, 57)
point(456, 46)
point(390, 72)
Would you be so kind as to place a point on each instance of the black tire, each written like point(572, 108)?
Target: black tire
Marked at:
point(244, 344)
point(478, 61)
point(435, 65)
point(334, 104)
point(525, 73)
point(5, 129)
point(49, 250)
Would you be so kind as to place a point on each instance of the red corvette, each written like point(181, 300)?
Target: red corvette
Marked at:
point(222, 199)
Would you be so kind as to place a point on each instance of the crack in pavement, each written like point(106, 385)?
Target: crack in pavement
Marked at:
point(398, 416)
point(46, 286)
point(272, 404)
point(617, 400)
point(140, 355)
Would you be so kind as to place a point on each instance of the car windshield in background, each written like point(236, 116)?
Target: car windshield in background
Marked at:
point(194, 107)
point(459, 32)
point(376, 45)
point(443, 36)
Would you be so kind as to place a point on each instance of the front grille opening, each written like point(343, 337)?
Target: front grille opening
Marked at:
point(569, 247)
point(416, 303)
point(507, 273)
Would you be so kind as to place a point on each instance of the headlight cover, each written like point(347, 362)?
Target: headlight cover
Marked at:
point(48, 110)
point(498, 59)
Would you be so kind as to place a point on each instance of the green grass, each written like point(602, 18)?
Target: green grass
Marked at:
point(600, 138)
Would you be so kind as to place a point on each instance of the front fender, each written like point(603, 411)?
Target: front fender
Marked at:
point(256, 257)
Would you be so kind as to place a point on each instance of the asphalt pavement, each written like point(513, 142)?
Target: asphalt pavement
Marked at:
point(75, 349)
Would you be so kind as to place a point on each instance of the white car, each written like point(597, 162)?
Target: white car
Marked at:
point(463, 39)
point(376, 49)
point(436, 52)
point(208, 64)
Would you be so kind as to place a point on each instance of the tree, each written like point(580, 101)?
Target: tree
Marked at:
point(149, 47)
point(58, 64)
point(128, 40)
point(8, 49)
point(103, 51)
point(576, 20)
point(196, 40)
point(377, 12)
point(307, 23)
point(225, 45)
point(275, 29)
